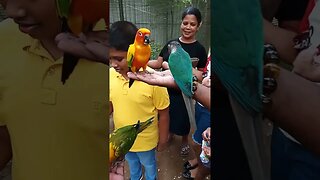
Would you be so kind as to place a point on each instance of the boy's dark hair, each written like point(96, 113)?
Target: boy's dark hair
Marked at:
point(122, 34)
point(192, 11)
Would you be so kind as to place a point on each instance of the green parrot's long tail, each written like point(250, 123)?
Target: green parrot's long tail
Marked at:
point(130, 80)
point(143, 125)
point(69, 61)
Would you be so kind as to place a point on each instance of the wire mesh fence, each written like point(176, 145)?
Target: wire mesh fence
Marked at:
point(163, 18)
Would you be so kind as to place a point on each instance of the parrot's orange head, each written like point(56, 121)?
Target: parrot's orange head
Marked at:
point(143, 36)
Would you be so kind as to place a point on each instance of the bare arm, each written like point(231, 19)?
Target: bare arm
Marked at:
point(165, 79)
point(163, 128)
point(5, 150)
point(295, 108)
point(203, 95)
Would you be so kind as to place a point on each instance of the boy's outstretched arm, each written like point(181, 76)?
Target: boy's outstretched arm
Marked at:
point(5, 144)
point(163, 125)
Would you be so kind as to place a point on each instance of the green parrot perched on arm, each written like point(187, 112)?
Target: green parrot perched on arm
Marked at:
point(121, 140)
point(180, 65)
point(237, 52)
point(79, 16)
point(237, 60)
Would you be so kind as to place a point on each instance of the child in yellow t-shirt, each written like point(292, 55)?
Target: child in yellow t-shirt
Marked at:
point(139, 102)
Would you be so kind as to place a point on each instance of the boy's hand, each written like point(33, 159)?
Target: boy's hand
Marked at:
point(207, 151)
point(162, 146)
point(92, 45)
point(117, 172)
point(206, 134)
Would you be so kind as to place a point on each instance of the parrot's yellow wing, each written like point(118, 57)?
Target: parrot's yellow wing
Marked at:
point(130, 55)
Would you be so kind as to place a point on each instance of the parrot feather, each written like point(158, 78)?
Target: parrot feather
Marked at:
point(63, 8)
point(237, 52)
point(130, 54)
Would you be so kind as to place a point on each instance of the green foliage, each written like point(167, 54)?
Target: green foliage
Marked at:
point(155, 50)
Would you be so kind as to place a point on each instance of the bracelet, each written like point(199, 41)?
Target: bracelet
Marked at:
point(270, 54)
point(194, 84)
point(271, 72)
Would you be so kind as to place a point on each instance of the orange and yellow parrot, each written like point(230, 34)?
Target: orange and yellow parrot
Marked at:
point(79, 16)
point(139, 52)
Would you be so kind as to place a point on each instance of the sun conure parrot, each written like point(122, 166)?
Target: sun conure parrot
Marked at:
point(139, 52)
point(79, 16)
point(237, 60)
point(121, 140)
point(180, 65)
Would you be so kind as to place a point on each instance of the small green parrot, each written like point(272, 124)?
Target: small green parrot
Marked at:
point(181, 67)
point(79, 16)
point(237, 60)
point(139, 52)
point(121, 140)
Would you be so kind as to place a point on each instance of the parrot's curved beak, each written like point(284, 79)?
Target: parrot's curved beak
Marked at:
point(146, 39)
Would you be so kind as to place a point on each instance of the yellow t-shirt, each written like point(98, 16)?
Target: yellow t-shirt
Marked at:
point(57, 131)
point(139, 102)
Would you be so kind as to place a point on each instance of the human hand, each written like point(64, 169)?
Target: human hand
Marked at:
point(152, 77)
point(161, 146)
point(165, 65)
point(307, 64)
point(117, 172)
point(92, 45)
point(206, 134)
point(207, 151)
point(206, 81)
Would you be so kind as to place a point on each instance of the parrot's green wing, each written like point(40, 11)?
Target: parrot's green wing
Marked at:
point(237, 49)
point(181, 68)
point(130, 55)
point(124, 137)
point(63, 8)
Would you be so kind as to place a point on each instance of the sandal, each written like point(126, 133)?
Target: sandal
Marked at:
point(187, 175)
point(185, 149)
point(188, 166)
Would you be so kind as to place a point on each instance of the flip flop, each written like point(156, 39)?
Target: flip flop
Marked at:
point(188, 166)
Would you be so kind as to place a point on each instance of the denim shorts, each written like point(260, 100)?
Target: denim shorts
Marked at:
point(202, 117)
point(292, 161)
point(145, 158)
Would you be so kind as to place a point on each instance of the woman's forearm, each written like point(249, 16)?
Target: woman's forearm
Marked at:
point(295, 108)
point(202, 95)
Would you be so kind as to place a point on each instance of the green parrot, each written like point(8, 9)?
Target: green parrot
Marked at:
point(121, 140)
point(237, 60)
point(238, 49)
point(181, 67)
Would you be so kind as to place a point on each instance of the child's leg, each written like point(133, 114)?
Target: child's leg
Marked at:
point(148, 160)
point(134, 165)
